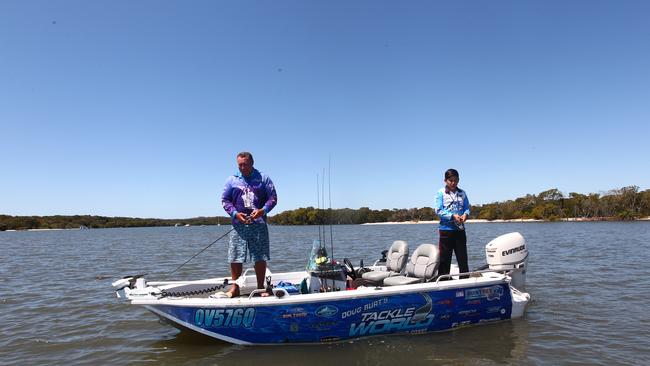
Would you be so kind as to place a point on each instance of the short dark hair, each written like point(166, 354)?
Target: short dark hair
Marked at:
point(451, 173)
point(246, 154)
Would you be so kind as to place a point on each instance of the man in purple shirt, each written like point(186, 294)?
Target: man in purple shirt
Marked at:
point(247, 197)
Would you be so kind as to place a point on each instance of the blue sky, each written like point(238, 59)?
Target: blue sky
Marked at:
point(138, 109)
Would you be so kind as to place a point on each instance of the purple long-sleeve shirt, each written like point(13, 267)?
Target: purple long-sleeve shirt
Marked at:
point(244, 194)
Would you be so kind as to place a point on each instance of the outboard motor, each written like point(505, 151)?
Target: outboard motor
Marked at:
point(509, 253)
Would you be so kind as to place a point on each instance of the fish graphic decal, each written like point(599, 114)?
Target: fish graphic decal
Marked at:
point(423, 311)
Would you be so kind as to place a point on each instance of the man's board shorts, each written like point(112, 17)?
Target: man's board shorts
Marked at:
point(249, 241)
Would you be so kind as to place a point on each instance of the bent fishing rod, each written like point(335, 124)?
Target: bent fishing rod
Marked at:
point(202, 250)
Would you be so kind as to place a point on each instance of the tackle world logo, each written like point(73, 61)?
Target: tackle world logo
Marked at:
point(490, 293)
point(399, 319)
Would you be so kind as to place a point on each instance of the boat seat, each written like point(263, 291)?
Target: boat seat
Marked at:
point(395, 262)
point(422, 267)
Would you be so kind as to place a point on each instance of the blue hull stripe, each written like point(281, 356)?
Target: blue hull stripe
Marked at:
point(417, 312)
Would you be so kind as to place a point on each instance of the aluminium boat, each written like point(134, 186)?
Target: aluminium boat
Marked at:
point(330, 302)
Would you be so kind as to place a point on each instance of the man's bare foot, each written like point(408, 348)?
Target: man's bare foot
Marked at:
point(234, 292)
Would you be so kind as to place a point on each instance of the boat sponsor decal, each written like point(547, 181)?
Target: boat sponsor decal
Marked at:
point(448, 302)
point(418, 331)
point(330, 339)
point(351, 312)
point(294, 313)
point(461, 324)
point(296, 310)
point(489, 320)
point(460, 293)
point(229, 318)
point(495, 309)
point(490, 293)
point(374, 304)
point(327, 311)
point(393, 320)
point(294, 327)
point(326, 325)
point(365, 307)
point(473, 302)
point(469, 313)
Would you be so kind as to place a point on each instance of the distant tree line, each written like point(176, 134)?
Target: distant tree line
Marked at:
point(626, 203)
point(96, 222)
point(315, 216)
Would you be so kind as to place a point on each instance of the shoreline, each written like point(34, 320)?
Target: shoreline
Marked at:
point(42, 229)
point(480, 221)
point(424, 222)
point(435, 222)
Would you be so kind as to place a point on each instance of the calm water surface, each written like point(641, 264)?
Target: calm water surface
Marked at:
point(590, 284)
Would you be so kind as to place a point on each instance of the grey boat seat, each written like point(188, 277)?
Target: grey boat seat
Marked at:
point(422, 267)
point(395, 262)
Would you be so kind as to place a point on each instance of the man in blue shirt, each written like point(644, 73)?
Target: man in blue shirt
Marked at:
point(248, 197)
point(452, 206)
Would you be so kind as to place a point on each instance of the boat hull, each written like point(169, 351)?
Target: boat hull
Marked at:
point(331, 320)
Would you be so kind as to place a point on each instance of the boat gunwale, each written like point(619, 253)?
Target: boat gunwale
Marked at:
point(358, 293)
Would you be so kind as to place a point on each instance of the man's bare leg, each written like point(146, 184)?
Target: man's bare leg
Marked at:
point(260, 273)
point(235, 271)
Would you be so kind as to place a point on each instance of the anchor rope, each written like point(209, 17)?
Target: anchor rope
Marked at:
point(165, 293)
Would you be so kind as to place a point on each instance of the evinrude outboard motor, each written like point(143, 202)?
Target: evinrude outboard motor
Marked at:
point(509, 253)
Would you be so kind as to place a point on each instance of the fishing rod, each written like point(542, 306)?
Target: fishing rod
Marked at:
point(322, 187)
point(202, 250)
point(320, 240)
point(329, 187)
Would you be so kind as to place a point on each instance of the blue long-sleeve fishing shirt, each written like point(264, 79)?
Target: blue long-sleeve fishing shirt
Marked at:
point(244, 194)
point(450, 203)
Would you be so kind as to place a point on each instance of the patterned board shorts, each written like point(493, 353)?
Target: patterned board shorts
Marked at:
point(249, 240)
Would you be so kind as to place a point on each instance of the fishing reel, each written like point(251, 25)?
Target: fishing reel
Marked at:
point(322, 259)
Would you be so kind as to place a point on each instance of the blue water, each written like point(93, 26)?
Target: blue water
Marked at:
point(590, 284)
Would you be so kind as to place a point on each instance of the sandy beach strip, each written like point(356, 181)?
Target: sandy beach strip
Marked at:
point(480, 221)
point(470, 221)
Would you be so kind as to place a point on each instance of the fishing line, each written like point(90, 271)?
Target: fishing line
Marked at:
point(202, 250)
